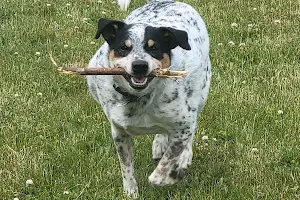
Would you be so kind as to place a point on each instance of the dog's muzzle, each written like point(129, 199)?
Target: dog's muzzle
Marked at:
point(139, 78)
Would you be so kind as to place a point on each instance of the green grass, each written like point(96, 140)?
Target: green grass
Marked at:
point(51, 131)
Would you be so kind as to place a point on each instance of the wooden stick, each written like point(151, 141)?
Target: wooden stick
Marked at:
point(93, 71)
point(161, 73)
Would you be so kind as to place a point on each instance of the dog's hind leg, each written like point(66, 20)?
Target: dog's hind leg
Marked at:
point(124, 147)
point(159, 146)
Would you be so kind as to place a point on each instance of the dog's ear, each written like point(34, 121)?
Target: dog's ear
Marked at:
point(176, 38)
point(109, 28)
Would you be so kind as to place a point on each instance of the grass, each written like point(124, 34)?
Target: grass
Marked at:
point(51, 131)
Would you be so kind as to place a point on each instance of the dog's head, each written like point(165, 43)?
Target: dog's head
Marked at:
point(139, 48)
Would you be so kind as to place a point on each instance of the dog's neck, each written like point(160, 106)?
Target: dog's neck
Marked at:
point(131, 98)
point(127, 95)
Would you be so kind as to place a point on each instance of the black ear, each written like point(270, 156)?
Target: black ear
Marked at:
point(176, 38)
point(109, 28)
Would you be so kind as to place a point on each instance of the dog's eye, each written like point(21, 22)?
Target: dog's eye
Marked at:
point(124, 48)
point(153, 48)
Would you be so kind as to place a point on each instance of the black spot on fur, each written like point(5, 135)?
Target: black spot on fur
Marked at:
point(173, 174)
point(191, 109)
point(118, 139)
point(123, 155)
point(178, 143)
point(120, 149)
point(204, 85)
point(172, 98)
point(189, 92)
point(161, 4)
point(130, 111)
point(176, 149)
point(156, 161)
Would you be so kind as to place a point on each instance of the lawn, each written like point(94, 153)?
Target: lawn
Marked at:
point(54, 133)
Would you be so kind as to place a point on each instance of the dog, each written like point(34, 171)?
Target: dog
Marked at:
point(159, 35)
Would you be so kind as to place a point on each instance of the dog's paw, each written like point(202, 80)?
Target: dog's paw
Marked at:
point(130, 189)
point(165, 179)
point(159, 146)
point(185, 159)
point(130, 192)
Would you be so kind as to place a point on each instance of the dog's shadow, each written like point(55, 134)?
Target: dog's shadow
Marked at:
point(211, 170)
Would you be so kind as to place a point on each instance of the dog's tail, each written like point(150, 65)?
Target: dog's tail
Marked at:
point(124, 4)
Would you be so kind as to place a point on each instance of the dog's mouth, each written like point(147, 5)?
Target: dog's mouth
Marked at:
point(139, 82)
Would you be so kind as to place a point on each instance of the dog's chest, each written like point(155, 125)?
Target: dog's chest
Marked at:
point(135, 120)
point(143, 125)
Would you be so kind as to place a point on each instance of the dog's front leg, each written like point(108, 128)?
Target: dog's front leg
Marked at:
point(124, 147)
point(172, 166)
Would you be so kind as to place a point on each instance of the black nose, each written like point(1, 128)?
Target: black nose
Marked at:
point(139, 67)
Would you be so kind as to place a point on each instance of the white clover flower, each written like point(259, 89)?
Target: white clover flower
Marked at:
point(277, 21)
point(250, 26)
point(37, 53)
point(254, 9)
point(29, 182)
point(48, 4)
point(220, 44)
point(214, 139)
point(66, 46)
point(204, 137)
point(76, 27)
point(242, 44)
point(69, 15)
point(231, 43)
point(68, 4)
point(16, 95)
point(234, 25)
point(40, 94)
point(92, 42)
point(280, 112)
point(16, 53)
point(87, 6)
point(103, 12)
point(254, 150)
point(16, 198)
point(66, 192)
point(85, 19)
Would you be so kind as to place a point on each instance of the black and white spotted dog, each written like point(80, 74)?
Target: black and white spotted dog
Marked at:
point(160, 34)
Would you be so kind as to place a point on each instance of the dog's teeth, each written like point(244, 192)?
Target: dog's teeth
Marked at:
point(139, 80)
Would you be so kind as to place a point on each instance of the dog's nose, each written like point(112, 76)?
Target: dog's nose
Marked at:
point(139, 67)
